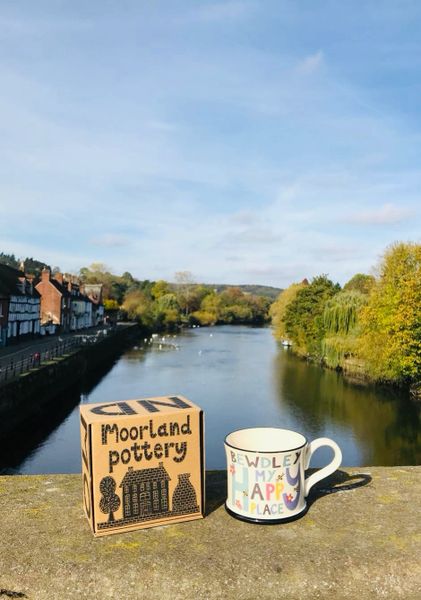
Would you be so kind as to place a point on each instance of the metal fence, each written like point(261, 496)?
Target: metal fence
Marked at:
point(33, 359)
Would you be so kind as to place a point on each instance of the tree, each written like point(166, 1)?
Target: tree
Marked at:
point(304, 316)
point(138, 306)
point(9, 259)
point(185, 284)
point(340, 319)
point(111, 304)
point(390, 342)
point(360, 283)
point(160, 288)
point(167, 311)
point(209, 312)
point(109, 502)
point(279, 307)
point(34, 267)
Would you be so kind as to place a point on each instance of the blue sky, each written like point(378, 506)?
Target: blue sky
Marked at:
point(245, 141)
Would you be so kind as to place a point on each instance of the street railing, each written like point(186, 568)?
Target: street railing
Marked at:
point(33, 359)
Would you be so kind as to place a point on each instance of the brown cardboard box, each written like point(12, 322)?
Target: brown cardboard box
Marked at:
point(142, 463)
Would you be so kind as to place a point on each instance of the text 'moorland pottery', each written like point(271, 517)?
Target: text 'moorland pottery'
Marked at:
point(142, 463)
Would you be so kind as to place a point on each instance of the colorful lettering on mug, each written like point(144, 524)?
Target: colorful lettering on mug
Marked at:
point(268, 491)
point(265, 475)
point(276, 462)
point(261, 487)
point(239, 482)
point(276, 488)
point(291, 502)
point(266, 509)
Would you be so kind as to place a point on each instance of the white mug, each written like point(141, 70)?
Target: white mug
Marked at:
point(266, 466)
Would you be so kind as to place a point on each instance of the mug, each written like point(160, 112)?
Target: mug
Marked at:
point(266, 466)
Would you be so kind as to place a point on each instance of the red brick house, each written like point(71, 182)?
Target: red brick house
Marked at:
point(55, 303)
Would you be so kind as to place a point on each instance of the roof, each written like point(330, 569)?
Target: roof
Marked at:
point(145, 475)
point(94, 292)
point(10, 280)
point(61, 288)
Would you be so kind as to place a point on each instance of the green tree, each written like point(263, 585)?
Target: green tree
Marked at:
point(360, 283)
point(9, 259)
point(340, 319)
point(160, 288)
point(139, 307)
point(167, 312)
point(209, 312)
point(304, 316)
point(391, 321)
point(279, 307)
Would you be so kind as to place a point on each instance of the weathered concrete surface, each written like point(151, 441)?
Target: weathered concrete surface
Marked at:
point(361, 538)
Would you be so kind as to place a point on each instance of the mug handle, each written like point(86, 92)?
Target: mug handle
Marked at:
point(326, 471)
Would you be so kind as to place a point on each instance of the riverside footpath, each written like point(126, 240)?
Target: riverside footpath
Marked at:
point(17, 359)
point(28, 385)
point(360, 539)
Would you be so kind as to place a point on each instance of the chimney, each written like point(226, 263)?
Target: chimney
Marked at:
point(45, 274)
point(30, 279)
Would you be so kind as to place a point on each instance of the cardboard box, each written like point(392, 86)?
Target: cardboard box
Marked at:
point(142, 463)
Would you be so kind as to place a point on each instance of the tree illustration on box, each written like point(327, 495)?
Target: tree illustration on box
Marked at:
point(109, 502)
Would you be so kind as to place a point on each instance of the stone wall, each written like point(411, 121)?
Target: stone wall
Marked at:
point(359, 540)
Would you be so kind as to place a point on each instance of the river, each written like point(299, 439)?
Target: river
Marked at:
point(241, 378)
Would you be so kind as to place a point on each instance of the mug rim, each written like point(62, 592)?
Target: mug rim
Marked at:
point(265, 451)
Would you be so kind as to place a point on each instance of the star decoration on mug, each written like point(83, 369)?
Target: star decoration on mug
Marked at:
point(232, 469)
point(289, 497)
point(238, 504)
point(245, 493)
point(280, 477)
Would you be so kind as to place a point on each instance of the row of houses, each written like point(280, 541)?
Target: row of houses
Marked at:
point(47, 305)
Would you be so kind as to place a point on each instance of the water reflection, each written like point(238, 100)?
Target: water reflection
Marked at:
point(385, 425)
point(30, 434)
point(33, 436)
point(240, 378)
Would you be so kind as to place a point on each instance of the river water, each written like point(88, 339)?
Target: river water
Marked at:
point(241, 378)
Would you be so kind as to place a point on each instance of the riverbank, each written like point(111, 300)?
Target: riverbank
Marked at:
point(353, 371)
point(31, 392)
point(361, 538)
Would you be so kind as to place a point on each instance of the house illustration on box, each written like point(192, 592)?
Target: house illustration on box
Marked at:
point(145, 492)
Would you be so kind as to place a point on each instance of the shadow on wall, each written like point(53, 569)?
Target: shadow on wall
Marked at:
point(339, 482)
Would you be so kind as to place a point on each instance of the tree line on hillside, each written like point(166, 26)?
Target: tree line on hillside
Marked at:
point(32, 266)
point(160, 305)
point(372, 326)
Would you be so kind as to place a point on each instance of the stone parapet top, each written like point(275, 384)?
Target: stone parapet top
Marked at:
point(361, 538)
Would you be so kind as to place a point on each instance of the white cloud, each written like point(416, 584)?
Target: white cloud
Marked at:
point(110, 240)
point(388, 214)
point(197, 150)
point(311, 64)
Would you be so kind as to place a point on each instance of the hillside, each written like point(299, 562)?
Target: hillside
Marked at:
point(266, 291)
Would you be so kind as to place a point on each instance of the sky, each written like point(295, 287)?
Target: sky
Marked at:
point(245, 141)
